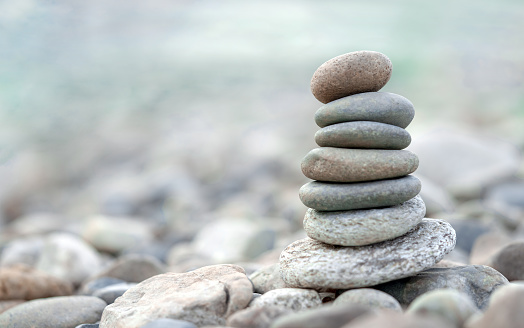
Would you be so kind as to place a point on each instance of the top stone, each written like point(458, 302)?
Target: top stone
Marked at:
point(349, 74)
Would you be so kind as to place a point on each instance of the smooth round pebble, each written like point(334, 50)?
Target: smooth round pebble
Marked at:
point(110, 293)
point(369, 298)
point(364, 227)
point(294, 299)
point(383, 107)
point(324, 316)
point(92, 286)
point(169, 323)
point(363, 134)
point(88, 325)
point(356, 165)
point(509, 261)
point(328, 196)
point(308, 263)
point(256, 317)
point(347, 74)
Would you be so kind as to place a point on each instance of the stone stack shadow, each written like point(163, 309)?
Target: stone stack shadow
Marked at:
point(365, 220)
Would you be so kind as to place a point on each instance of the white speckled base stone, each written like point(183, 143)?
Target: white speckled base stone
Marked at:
point(308, 263)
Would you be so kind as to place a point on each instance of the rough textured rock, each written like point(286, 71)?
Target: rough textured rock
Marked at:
point(206, 296)
point(476, 281)
point(309, 263)
point(396, 320)
point(369, 298)
point(363, 134)
point(332, 316)
point(68, 257)
point(364, 227)
point(504, 310)
point(295, 299)
point(267, 278)
point(133, 268)
point(351, 73)
point(54, 312)
point(451, 305)
point(383, 107)
point(355, 165)
point(22, 282)
point(256, 317)
point(509, 261)
point(326, 196)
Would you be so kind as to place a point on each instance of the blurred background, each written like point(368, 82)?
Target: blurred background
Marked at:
point(174, 128)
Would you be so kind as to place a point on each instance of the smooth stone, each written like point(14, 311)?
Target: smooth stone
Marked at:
point(308, 263)
point(451, 305)
point(436, 198)
point(468, 230)
point(351, 73)
point(326, 196)
point(22, 251)
point(92, 286)
point(355, 165)
point(267, 278)
point(332, 316)
point(294, 299)
point(364, 227)
point(363, 134)
point(382, 107)
point(369, 298)
point(206, 296)
point(504, 310)
point(88, 325)
point(396, 320)
point(6, 305)
point(132, 268)
point(54, 312)
point(110, 293)
point(509, 261)
point(487, 245)
point(23, 282)
point(68, 257)
point(256, 317)
point(169, 323)
point(477, 281)
point(510, 193)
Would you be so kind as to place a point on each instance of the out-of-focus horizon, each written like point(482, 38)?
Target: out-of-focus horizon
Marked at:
point(201, 106)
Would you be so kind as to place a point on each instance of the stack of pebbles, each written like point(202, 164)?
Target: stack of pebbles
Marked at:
point(365, 220)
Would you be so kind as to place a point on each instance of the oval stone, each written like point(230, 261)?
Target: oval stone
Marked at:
point(383, 107)
point(363, 134)
point(355, 165)
point(364, 227)
point(308, 263)
point(351, 73)
point(329, 196)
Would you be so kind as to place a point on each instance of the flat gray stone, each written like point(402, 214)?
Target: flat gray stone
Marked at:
point(383, 107)
point(328, 196)
point(308, 263)
point(356, 165)
point(363, 134)
point(364, 227)
point(347, 74)
point(369, 298)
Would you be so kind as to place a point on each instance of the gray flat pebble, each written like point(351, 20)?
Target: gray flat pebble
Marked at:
point(308, 263)
point(369, 298)
point(363, 134)
point(329, 196)
point(383, 107)
point(364, 227)
point(356, 165)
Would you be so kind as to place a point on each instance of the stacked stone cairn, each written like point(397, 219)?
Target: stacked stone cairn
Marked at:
point(365, 220)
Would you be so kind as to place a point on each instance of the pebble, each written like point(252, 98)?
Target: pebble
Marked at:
point(132, 268)
point(396, 320)
point(332, 316)
point(436, 198)
point(369, 298)
point(308, 263)
point(92, 286)
point(351, 73)
point(206, 296)
point(477, 281)
point(451, 305)
point(54, 312)
point(325, 196)
point(88, 325)
point(267, 278)
point(468, 230)
point(363, 134)
point(509, 261)
point(169, 323)
point(382, 107)
point(364, 227)
point(110, 293)
point(354, 165)
point(257, 317)
point(486, 246)
point(6, 305)
point(22, 251)
point(20, 282)
point(294, 299)
point(68, 257)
